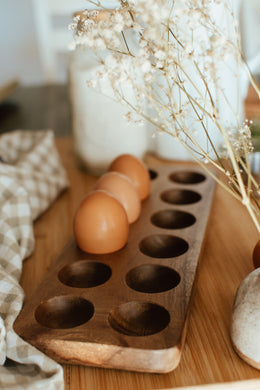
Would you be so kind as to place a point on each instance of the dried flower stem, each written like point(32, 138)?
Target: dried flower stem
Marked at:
point(175, 71)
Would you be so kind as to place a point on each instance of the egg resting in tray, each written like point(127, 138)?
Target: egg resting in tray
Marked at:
point(128, 309)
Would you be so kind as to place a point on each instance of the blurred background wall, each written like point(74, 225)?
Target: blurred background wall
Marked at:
point(18, 44)
point(34, 39)
point(24, 25)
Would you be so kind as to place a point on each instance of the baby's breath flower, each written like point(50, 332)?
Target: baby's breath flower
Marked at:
point(170, 55)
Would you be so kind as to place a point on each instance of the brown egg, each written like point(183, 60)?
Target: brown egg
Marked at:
point(100, 223)
point(135, 169)
point(256, 255)
point(124, 190)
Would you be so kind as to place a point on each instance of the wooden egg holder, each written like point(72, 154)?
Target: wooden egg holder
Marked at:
point(129, 309)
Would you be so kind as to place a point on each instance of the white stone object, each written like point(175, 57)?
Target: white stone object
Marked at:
point(100, 130)
point(245, 325)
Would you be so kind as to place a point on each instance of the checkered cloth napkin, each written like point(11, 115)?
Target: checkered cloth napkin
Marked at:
point(31, 177)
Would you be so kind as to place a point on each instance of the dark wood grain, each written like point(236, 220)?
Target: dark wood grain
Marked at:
point(140, 327)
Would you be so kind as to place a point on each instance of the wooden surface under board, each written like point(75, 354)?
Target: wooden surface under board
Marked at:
point(208, 357)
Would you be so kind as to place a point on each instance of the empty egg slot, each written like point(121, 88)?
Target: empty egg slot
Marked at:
point(153, 174)
point(85, 274)
point(163, 246)
point(152, 278)
point(63, 312)
point(139, 318)
point(172, 219)
point(178, 196)
point(187, 177)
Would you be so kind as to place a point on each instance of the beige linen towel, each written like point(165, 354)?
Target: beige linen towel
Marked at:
point(31, 177)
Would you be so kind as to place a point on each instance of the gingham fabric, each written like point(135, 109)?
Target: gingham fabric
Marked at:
point(31, 177)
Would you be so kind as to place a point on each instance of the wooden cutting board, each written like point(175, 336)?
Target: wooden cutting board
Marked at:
point(129, 309)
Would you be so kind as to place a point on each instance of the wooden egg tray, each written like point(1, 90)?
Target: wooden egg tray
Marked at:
point(129, 309)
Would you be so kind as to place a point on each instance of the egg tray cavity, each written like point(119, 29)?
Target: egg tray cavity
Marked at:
point(128, 309)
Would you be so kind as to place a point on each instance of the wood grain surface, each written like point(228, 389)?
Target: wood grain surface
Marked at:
point(208, 357)
point(128, 309)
